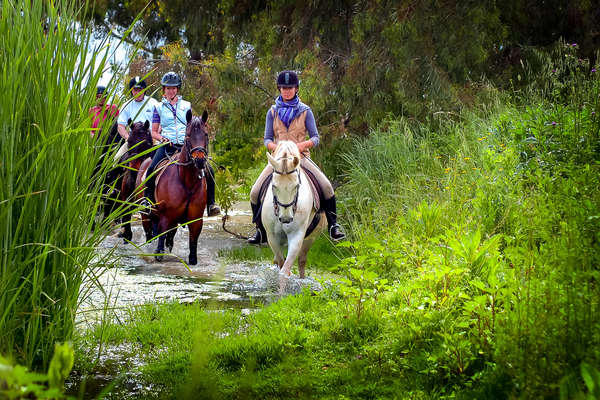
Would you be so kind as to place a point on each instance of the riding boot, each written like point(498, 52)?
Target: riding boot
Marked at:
point(335, 231)
point(260, 236)
point(212, 209)
point(148, 199)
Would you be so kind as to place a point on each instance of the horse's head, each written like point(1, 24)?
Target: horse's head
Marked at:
point(196, 139)
point(286, 157)
point(286, 180)
point(139, 139)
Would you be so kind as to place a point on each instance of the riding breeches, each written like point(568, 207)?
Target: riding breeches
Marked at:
point(122, 150)
point(160, 154)
point(305, 163)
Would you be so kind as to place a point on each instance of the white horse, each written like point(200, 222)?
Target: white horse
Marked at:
point(288, 209)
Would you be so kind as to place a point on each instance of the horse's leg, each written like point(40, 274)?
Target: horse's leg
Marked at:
point(147, 224)
point(194, 231)
point(302, 262)
point(163, 226)
point(306, 245)
point(277, 249)
point(127, 233)
point(170, 238)
point(294, 246)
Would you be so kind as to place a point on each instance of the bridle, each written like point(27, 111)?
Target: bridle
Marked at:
point(197, 162)
point(293, 203)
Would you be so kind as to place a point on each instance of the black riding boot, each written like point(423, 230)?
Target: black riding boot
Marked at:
point(148, 199)
point(335, 231)
point(211, 208)
point(260, 236)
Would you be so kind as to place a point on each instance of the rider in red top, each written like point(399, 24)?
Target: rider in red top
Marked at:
point(101, 111)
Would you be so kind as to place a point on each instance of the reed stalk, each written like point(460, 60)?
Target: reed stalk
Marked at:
point(48, 195)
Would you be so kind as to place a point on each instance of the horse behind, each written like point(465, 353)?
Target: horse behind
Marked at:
point(180, 192)
point(288, 209)
point(119, 181)
point(139, 143)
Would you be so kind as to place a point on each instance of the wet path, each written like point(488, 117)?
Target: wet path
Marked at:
point(139, 279)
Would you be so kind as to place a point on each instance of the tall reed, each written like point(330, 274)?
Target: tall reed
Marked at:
point(48, 198)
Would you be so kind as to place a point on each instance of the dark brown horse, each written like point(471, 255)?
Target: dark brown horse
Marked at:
point(181, 191)
point(139, 143)
point(119, 181)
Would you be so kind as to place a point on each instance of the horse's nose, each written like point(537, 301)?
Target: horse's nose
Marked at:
point(285, 220)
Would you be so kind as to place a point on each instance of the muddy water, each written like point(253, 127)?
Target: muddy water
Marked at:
point(139, 279)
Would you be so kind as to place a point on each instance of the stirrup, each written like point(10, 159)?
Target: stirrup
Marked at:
point(145, 203)
point(336, 233)
point(213, 210)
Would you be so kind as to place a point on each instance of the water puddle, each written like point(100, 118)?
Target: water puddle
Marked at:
point(138, 279)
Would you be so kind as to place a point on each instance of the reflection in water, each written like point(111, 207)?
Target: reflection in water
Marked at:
point(138, 279)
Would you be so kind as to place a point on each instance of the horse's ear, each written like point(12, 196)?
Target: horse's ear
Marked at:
point(204, 117)
point(188, 116)
point(130, 123)
point(272, 161)
point(146, 124)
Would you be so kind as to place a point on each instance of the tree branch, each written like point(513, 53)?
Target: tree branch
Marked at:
point(124, 39)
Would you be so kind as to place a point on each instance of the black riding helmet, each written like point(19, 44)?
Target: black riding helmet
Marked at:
point(100, 90)
point(137, 82)
point(287, 79)
point(171, 79)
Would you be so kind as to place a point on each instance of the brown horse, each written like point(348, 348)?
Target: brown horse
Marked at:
point(180, 191)
point(119, 181)
point(139, 143)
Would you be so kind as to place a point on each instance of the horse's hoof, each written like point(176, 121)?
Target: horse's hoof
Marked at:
point(159, 258)
point(193, 261)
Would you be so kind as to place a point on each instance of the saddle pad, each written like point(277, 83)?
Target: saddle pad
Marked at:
point(315, 188)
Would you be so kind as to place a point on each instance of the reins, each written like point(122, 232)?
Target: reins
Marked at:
point(293, 203)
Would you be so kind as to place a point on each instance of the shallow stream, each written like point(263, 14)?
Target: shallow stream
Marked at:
point(138, 279)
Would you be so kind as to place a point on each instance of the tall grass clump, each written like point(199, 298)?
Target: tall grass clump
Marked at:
point(48, 195)
point(490, 220)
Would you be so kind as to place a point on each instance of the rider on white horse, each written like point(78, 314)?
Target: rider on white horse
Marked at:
point(290, 119)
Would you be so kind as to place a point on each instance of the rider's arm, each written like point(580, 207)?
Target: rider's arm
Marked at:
point(122, 131)
point(313, 133)
point(269, 134)
point(156, 128)
point(311, 127)
point(122, 122)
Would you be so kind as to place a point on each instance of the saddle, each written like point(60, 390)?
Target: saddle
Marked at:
point(161, 167)
point(317, 196)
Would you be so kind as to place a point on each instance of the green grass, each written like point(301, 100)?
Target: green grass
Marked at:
point(49, 196)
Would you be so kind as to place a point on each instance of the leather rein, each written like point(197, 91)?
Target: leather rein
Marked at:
point(293, 203)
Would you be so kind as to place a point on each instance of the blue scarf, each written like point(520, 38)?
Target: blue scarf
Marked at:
point(287, 109)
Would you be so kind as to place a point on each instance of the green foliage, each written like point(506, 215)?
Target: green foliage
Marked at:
point(473, 267)
point(16, 382)
point(49, 195)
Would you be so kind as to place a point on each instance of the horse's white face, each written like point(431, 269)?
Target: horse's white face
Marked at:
point(285, 184)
